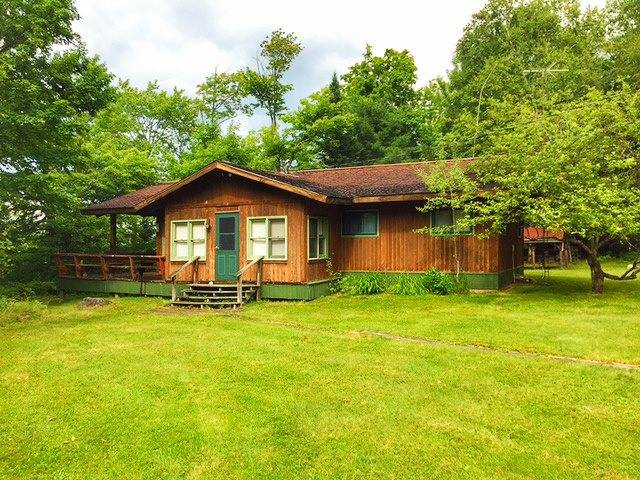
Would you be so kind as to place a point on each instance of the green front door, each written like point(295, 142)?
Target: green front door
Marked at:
point(227, 246)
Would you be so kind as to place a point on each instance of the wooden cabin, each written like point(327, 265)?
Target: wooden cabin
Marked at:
point(302, 226)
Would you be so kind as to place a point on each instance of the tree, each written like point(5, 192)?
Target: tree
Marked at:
point(49, 89)
point(265, 83)
point(221, 98)
point(573, 168)
point(535, 52)
point(230, 147)
point(375, 116)
point(624, 31)
point(152, 125)
point(334, 88)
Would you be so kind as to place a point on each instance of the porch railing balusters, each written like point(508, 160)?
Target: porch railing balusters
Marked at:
point(110, 267)
point(258, 261)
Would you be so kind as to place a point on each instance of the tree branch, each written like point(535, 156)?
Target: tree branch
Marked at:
point(581, 244)
point(631, 273)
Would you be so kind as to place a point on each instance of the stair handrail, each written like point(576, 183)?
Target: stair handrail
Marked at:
point(174, 276)
point(259, 261)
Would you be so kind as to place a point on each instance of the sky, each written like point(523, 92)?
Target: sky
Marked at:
point(180, 42)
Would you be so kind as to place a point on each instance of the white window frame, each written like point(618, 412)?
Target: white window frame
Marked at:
point(326, 238)
point(189, 241)
point(267, 220)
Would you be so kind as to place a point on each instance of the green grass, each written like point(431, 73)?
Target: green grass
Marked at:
point(295, 390)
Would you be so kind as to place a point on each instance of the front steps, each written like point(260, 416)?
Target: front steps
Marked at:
point(216, 295)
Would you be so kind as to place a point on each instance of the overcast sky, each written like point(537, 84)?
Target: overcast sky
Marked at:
point(179, 42)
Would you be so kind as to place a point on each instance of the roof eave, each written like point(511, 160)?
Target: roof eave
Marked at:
point(410, 197)
point(107, 211)
point(235, 171)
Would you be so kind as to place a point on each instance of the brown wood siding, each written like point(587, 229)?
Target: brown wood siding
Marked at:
point(511, 248)
point(398, 248)
point(220, 193)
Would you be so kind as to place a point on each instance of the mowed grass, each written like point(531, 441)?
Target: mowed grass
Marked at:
point(297, 390)
point(558, 315)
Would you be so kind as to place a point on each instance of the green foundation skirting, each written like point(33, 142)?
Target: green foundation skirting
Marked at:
point(271, 291)
point(307, 291)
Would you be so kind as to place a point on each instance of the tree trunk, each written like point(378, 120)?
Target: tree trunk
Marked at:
point(597, 274)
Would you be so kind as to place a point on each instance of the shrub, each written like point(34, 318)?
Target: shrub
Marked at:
point(434, 282)
point(407, 284)
point(25, 290)
point(438, 283)
point(363, 283)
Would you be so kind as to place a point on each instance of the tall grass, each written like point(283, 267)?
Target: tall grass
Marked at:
point(431, 282)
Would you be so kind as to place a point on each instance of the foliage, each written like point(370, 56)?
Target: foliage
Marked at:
point(221, 98)
point(375, 116)
point(624, 48)
point(572, 168)
point(142, 135)
point(438, 283)
point(49, 89)
point(363, 283)
point(408, 284)
point(27, 290)
point(433, 281)
point(528, 51)
point(265, 82)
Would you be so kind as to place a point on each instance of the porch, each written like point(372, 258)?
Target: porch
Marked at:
point(147, 275)
point(135, 274)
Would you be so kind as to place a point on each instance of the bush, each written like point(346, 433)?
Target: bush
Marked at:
point(363, 283)
point(407, 284)
point(434, 282)
point(438, 283)
point(25, 290)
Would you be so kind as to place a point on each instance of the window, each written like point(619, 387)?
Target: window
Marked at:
point(189, 239)
point(362, 223)
point(444, 223)
point(267, 238)
point(317, 234)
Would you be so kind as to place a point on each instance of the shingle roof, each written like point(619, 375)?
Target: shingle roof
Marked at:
point(536, 234)
point(369, 181)
point(342, 184)
point(127, 203)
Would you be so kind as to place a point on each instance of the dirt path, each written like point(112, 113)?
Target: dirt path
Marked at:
point(487, 348)
point(451, 344)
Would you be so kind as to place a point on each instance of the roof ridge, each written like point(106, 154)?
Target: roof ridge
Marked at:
point(379, 165)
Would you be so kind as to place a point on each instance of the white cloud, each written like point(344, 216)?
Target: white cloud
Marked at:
point(179, 42)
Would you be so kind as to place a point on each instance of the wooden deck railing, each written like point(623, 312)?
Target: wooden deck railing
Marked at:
point(258, 261)
point(195, 261)
point(110, 267)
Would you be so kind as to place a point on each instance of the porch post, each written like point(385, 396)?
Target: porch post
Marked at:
point(113, 240)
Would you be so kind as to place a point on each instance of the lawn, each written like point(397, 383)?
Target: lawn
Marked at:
point(306, 390)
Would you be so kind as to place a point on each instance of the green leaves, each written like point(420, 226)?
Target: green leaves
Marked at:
point(376, 115)
point(265, 82)
point(572, 168)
